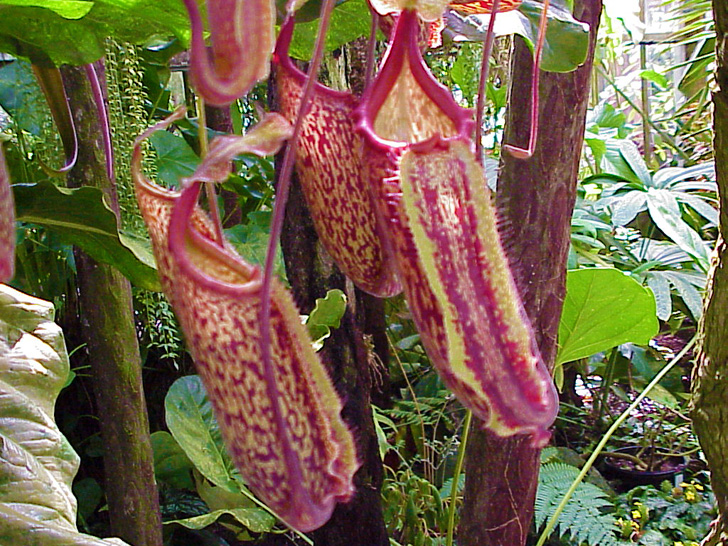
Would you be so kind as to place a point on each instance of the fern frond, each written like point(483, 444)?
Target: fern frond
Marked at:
point(588, 517)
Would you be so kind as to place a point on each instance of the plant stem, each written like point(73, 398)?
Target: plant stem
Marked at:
point(606, 385)
point(372, 48)
point(667, 138)
point(456, 477)
point(429, 470)
point(209, 188)
point(603, 442)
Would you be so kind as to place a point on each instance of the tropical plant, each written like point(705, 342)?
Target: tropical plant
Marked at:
point(38, 464)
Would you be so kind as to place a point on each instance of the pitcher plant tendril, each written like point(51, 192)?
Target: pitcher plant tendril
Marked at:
point(50, 82)
point(284, 180)
point(493, 7)
point(516, 151)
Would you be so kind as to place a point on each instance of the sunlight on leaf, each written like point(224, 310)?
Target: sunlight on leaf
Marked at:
point(37, 464)
point(603, 308)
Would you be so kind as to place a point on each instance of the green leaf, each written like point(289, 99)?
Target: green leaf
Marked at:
point(251, 241)
point(608, 117)
point(603, 308)
point(254, 519)
point(171, 464)
point(69, 9)
point(191, 421)
point(687, 292)
point(37, 464)
point(665, 212)
point(21, 97)
point(627, 206)
point(567, 40)
point(660, 287)
point(175, 158)
point(656, 78)
point(326, 315)
point(349, 21)
point(59, 30)
point(624, 159)
point(83, 218)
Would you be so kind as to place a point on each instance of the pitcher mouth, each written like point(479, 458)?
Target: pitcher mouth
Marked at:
point(403, 87)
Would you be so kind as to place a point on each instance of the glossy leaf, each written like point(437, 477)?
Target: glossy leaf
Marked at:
point(326, 314)
point(349, 21)
point(7, 223)
point(434, 206)
point(37, 464)
point(604, 308)
point(171, 464)
point(21, 97)
point(175, 158)
point(281, 423)
point(83, 218)
point(665, 212)
point(191, 420)
point(252, 519)
point(66, 33)
point(566, 41)
point(329, 167)
point(242, 34)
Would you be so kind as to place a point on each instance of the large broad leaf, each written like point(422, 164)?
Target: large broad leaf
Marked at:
point(624, 159)
point(73, 32)
point(603, 308)
point(191, 421)
point(175, 158)
point(349, 21)
point(196, 433)
point(37, 464)
point(253, 519)
point(81, 216)
point(21, 97)
point(665, 211)
point(171, 464)
point(566, 43)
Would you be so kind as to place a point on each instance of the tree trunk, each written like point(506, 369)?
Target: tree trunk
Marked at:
point(347, 358)
point(710, 387)
point(351, 355)
point(535, 202)
point(108, 328)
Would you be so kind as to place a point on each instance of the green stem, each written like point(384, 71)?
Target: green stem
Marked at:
point(456, 478)
point(209, 188)
point(606, 385)
point(429, 468)
point(600, 446)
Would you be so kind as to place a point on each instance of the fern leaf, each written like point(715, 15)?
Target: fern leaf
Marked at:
point(587, 518)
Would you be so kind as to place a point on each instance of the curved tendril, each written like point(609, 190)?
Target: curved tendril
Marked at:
point(516, 151)
point(98, 95)
point(49, 79)
point(284, 185)
point(484, 71)
point(372, 48)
